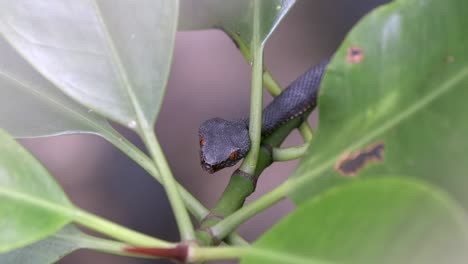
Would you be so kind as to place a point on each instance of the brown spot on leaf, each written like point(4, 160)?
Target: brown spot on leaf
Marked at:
point(351, 163)
point(449, 59)
point(355, 55)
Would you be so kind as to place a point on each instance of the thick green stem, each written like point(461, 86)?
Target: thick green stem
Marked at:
point(230, 223)
point(181, 215)
point(220, 253)
point(292, 153)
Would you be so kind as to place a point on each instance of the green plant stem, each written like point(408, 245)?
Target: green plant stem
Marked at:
point(116, 231)
point(221, 253)
point(85, 241)
point(236, 240)
point(191, 203)
point(306, 131)
point(292, 153)
point(271, 84)
point(230, 223)
point(255, 117)
point(181, 215)
point(95, 243)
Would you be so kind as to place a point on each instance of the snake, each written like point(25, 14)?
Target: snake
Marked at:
point(223, 143)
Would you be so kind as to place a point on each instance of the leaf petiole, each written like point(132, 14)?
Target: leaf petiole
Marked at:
point(167, 179)
point(255, 120)
point(291, 153)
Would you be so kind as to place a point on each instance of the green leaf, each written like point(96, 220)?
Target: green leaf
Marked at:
point(234, 17)
point(27, 195)
point(394, 101)
point(57, 246)
point(112, 56)
point(31, 106)
point(386, 220)
point(49, 250)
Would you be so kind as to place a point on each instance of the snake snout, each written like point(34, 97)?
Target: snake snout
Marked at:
point(207, 167)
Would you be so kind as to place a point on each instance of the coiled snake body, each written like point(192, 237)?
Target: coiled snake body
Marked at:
point(223, 143)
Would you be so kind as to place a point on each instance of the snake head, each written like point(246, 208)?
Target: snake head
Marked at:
point(222, 143)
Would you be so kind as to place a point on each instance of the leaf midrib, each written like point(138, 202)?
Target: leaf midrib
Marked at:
point(50, 101)
point(121, 71)
point(66, 211)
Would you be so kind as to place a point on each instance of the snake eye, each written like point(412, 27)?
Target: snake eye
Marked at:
point(233, 155)
point(202, 142)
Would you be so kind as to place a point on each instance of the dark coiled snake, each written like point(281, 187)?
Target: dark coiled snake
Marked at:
point(223, 143)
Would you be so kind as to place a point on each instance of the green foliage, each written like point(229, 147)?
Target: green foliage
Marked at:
point(391, 103)
point(46, 251)
point(31, 106)
point(235, 18)
point(56, 246)
point(408, 93)
point(97, 53)
point(379, 220)
point(28, 195)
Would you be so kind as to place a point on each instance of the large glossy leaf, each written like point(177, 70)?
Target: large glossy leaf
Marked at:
point(234, 17)
point(394, 101)
point(111, 55)
point(386, 220)
point(56, 246)
point(28, 197)
point(31, 106)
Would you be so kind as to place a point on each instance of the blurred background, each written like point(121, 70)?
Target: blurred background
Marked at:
point(209, 78)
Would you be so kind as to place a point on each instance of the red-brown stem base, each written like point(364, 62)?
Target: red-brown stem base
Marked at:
point(179, 253)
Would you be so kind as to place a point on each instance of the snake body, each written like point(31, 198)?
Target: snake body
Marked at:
point(223, 143)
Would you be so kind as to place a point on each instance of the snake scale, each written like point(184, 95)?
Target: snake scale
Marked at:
point(223, 143)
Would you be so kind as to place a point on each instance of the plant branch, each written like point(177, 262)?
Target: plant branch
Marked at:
point(86, 241)
point(116, 231)
point(221, 253)
point(271, 84)
point(115, 138)
point(181, 215)
point(292, 153)
point(306, 131)
point(230, 223)
point(191, 203)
